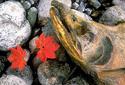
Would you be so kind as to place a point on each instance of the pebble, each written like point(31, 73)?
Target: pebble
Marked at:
point(52, 73)
point(14, 28)
point(36, 62)
point(32, 44)
point(88, 11)
point(44, 7)
point(11, 80)
point(75, 5)
point(118, 2)
point(81, 7)
point(77, 1)
point(113, 15)
point(77, 81)
point(32, 15)
point(95, 3)
point(26, 74)
point(26, 5)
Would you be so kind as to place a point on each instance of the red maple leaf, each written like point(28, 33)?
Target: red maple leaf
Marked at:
point(47, 47)
point(17, 58)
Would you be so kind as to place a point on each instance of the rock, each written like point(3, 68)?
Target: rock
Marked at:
point(77, 1)
point(14, 28)
point(26, 74)
point(32, 44)
point(95, 3)
point(77, 81)
point(66, 2)
point(43, 9)
point(32, 15)
point(32, 1)
point(11, 80)
point(81, 7)
point(27, 55)
point(75, 5)
point(52, 73)
point(118, 2)
point(36, 62)
point(26, 5)
point(13, 11)
point(88, 11)
point(113, 16)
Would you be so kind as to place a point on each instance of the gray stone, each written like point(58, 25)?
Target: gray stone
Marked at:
point(52, 73)
point(32, 1)
point(11, 80)
point(95, 3)
point(118, 2)
point(14, 28)
point(36, 62)
point(113, 15)
point(88, 11)
point(14, 11)
point(75, 5)
point(77, 81)
point(32, 15)
point(77, 1)
point(26, 74)
point(81, 7)
point(26, 5)
point(32, 44)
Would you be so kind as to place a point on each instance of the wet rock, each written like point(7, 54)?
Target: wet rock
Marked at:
point(14, 28)
point(113, 15)
point(95, 3)
point(26, 74)
point(32, 15)
point(43, 8)
point(26, 5)
point(77, 81)
point(11, 80)
point(52, 73)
